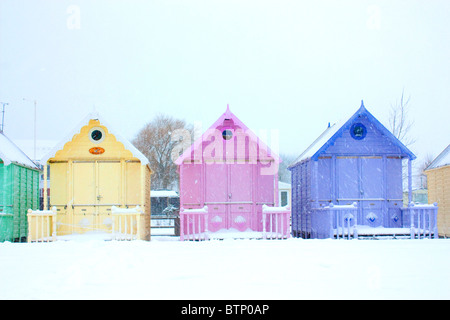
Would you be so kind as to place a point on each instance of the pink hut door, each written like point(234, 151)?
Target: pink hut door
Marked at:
point(240, 196)
point(229, 195)
point(216, 195)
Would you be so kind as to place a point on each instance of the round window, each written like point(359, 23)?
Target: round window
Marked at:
point(96, 135)
point(358, 131)
point(227, 134)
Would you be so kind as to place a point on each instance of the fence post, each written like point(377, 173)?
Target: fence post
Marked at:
point(264, 223)
point(54, 223)
point(138, 223)
point(181, 224)
point(29, 225)
point(411, 219)
point(206, 223)
point(435, 228)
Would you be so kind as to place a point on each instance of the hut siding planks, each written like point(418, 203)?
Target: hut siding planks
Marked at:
point(20, 192)
point(438, 181)
point(301, 209)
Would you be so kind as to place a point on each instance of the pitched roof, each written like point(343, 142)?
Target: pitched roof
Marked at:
point(329, 136)
point(10, 153)
point(226, 115)
point(443, 159)
point(95, 116)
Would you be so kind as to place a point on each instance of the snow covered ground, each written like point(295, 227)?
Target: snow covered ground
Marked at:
point(90, 268)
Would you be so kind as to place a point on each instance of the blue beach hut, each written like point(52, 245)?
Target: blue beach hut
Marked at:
point(348, 182)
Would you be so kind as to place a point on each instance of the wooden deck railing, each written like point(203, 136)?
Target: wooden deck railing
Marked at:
point(126, 223)
point(194, 224)
point(276, 222)
point(335, 221)
point(41, 225)
point(340, 222)
point(423, 220)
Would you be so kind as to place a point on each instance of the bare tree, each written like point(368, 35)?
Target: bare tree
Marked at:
point(400, 126)
point(155, 141)
point(399, 122)
point(283, 173)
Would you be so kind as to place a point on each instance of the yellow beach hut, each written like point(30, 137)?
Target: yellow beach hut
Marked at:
point(94, 173)
point(438, 181)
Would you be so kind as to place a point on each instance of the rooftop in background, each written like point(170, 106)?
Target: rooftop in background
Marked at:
point(443, 159)
point(163, 194)
point(283, 185)
point(9, 152)
point(42, 147)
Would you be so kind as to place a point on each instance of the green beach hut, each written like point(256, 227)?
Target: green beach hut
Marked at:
point(19, 191)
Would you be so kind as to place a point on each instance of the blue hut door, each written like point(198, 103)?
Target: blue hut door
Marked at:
point(360, 180)
point(348, 179)
point(372, 199)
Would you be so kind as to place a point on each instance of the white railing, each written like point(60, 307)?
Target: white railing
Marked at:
point(126, 223)
point(338, 221)
point(345, 219)
point(194, 224)
point(41, 225)
point(276, 222)
point(423, 220)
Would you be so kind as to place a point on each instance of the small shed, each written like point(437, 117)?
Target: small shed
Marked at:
point(164, 202)
point(438, 181)
point(230, 171)
point(93, 169)
point(165, 213)
point(284, 193)
point(355, 163)
point(19, 191)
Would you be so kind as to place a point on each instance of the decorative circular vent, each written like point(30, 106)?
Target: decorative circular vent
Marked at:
point(96, 135)
point(227, 134)
point(358, 131)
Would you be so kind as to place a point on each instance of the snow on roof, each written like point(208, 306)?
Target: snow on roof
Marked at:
point(332, 132)
point(319, 142)
point(163, 194)
point(42, 147)
point(96, 116)
point(283, 185)
point(10, 153)
point(443, 159)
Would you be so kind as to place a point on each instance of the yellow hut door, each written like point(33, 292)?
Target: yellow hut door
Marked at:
point(84, 196)
point(96, 187)
point(108, 192)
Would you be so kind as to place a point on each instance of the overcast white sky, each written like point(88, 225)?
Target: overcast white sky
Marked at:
point(291, 66)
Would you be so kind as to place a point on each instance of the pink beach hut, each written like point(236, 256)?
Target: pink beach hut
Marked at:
point(226, 177)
